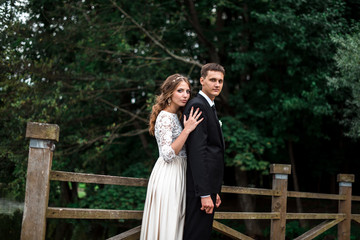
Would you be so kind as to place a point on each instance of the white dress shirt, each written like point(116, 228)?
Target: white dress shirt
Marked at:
point(211, 103)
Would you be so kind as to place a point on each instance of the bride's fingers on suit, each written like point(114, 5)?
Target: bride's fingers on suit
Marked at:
point(194, 114)
point(196, 110)
point(191, 112)
point(199, 121)
point(198, 115)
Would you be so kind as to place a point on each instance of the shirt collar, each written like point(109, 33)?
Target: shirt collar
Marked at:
point(211, 103)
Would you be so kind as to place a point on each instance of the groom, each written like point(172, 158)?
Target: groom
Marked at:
point(205, 157)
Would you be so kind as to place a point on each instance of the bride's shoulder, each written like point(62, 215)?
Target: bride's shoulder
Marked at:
point(165, 119)
point(164, 115)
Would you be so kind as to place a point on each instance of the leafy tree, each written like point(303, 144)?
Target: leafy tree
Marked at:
point(281, 63)
point(346, 82)
point(94, 67)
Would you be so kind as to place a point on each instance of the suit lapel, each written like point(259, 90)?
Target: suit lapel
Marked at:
point(215, 118)
point(219, 128)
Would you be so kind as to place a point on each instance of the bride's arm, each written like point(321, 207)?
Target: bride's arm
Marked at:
point(164, 129)
point(189, 125)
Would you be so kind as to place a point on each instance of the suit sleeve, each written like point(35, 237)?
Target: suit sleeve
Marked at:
point(197, 153)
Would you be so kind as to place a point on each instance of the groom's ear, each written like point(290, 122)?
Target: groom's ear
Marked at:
point(201, 81)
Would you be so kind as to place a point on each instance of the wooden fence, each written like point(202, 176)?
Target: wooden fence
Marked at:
point(39, 173)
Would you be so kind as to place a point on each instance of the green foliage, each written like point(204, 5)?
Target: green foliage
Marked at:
point(245, 147)
point(293, 229)
point(286, 67)
point(88, 67)
point(10, 225)
point(347, 81)
point(114, 197)
point(118, 197)
point(94, 68)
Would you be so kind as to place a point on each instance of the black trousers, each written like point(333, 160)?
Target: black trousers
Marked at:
point(198, 224)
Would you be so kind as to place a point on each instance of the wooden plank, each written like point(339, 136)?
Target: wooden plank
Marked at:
point(293, 216)
point(132, 234)
point(316, 195)
point(280, 169)
point(356, 217)
point(252, 191)
point(355, 198)
point(278, 203)
point(227, 231)
point(246, 215)
point(82, 213)
point(349, 178)
point(45, 131)
point(99, 179)
point(36, 194)
point(319, 229)
point(344, 206)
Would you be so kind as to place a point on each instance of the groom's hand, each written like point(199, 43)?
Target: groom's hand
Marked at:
point(207, 205)
point(218, 200)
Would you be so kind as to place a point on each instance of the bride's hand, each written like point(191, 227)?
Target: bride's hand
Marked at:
point(193, 120)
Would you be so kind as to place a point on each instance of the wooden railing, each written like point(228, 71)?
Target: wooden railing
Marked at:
point(39, 174)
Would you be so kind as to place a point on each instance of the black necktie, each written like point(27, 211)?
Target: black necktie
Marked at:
point(214, 109)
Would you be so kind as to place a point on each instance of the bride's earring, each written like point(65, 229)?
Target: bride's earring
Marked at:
point(169, 101)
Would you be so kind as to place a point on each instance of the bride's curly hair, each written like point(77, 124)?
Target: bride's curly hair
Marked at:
point(167, 89)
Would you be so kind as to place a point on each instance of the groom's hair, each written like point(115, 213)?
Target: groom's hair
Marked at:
point(211, 67)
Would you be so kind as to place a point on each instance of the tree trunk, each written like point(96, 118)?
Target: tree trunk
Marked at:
point(68, 194)
point(63, 229)
point(142, 139)
point(247, 204)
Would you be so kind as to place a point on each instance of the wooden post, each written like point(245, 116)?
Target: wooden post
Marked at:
point(345, 188)
point(42, 137)
point(280, 182)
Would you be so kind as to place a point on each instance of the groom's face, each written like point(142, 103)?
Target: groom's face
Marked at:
point(212, 84)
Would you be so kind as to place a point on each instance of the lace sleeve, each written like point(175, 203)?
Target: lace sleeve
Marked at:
point(164, 136)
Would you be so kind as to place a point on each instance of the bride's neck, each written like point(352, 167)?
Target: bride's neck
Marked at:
point(171, 109)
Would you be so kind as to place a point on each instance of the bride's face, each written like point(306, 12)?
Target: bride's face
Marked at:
point(181, 95)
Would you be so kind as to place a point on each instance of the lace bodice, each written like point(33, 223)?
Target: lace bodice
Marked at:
point(167, 129)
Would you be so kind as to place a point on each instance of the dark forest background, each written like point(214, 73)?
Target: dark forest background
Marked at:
point(291, 96)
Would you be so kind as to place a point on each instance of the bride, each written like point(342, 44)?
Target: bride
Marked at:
point(164, 211)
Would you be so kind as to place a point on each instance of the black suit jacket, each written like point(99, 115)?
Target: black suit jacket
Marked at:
point(205, 151)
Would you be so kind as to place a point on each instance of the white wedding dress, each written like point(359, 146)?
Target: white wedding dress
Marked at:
point(164, 211)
